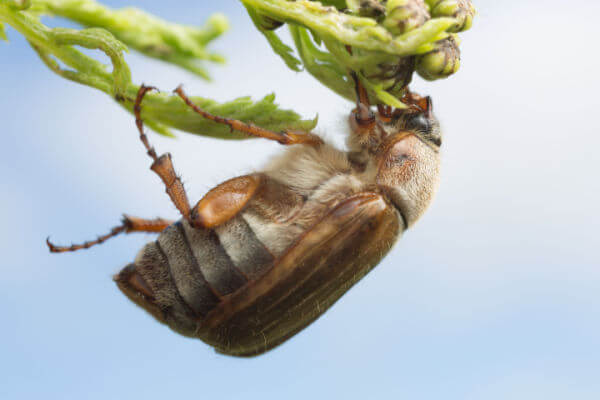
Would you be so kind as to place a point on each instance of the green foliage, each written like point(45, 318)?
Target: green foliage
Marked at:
point(280, 48)
point(339, 4)
point(347, 29)
point(56, 47)
point(381, 41)
point(181, 45)
point(169, 110)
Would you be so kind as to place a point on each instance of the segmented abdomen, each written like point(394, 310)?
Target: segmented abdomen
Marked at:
point(191, 270)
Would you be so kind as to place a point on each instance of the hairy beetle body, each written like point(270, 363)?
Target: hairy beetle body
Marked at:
point(248, 284)
point(261, 256)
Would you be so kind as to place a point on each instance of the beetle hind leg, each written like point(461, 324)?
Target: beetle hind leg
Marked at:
point(129, 225)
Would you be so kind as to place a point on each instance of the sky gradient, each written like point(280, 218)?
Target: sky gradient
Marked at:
point(494, 294)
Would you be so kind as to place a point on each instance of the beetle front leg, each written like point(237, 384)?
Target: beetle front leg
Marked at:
point(286, 137)
point(367, 127)
point(163, 165)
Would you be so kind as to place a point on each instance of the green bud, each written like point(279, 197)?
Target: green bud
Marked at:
point(405, 15)
point(393, 75)
point(371, 8)
point(462, 10)
point(441, 62)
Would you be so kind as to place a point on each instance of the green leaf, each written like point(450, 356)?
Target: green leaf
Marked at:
point(280, 48)
point(361, 32)
point(339, 4)
point(3, 32)
point(169, 110)
point(18, 4)
point(177, 44)
point(366, 45)
point(320, 64)
point(160, 111)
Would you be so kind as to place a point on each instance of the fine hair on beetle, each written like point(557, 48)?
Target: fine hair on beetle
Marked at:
point(261, 256)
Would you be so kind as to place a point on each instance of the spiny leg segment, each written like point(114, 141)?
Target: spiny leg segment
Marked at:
point(129, 225)
point(366, 126)
point(286, 137)
point(163, 165)
point(385, 112)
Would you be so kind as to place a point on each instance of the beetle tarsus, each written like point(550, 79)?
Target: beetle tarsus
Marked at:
point(128, 225)
point(86, 245)
point(162, 165)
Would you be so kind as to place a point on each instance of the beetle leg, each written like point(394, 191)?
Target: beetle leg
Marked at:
point(286, 137)
point(129, 225)
point(385, 113)
point(365, 125)
point(365, 118)
point(163, 165)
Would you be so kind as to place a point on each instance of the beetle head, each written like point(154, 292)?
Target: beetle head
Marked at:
point(407, 160)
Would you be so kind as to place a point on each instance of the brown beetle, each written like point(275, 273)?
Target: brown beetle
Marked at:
point(263, 255)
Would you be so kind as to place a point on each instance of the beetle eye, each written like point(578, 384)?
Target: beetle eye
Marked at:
point(418, 122)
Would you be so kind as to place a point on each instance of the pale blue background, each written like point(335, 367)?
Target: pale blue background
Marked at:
point(495, 294)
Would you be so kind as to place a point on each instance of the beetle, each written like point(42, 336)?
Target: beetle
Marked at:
point(261, 256)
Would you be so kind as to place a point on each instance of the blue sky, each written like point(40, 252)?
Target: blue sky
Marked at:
point(493, 295)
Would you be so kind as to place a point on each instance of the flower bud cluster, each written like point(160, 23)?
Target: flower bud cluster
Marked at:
point(462, 10)
point(405, 15)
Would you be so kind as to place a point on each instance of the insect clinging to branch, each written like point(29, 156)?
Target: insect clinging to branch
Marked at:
point(261, 256)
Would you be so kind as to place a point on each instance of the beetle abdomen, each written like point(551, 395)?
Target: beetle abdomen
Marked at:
point(188, 271)
point(247, 252)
